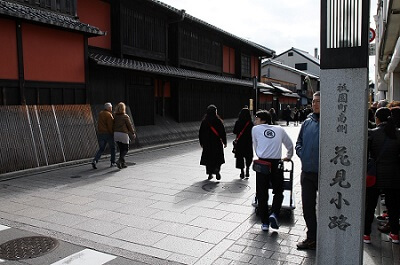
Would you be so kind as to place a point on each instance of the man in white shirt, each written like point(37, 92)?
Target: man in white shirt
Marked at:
point(267, 141)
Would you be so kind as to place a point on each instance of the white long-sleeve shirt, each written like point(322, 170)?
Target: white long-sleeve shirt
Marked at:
point(268, 140)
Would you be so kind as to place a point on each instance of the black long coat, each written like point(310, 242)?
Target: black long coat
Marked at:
point(213, 149)
point(388, 164)
point(244, 146)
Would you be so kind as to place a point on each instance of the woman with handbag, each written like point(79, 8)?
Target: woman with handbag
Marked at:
point(212, 137)
point(123, 131)
point(384, 148)
point(243, 145)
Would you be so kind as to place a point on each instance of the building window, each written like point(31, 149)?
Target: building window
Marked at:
point(301, 66)
point(290, 54)
point(246, 65)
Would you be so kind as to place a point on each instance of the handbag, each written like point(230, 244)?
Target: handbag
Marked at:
point(371, 168)
point(237, 138)
point(262, 166)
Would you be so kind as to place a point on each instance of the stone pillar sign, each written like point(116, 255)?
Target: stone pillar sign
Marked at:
point(343, 132)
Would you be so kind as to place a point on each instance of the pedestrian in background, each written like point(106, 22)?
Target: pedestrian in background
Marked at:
point(105, 134)
point(212, 137)
point(267, 141)
point(244, 146)
point(307, 149)
point(286, 114)
point(274, 117)
point(384, 147)
point(123, 131)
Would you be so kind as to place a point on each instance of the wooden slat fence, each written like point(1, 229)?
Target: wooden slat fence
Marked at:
point(35, 136)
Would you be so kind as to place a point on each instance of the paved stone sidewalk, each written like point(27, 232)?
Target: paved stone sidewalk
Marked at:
point(162, 211)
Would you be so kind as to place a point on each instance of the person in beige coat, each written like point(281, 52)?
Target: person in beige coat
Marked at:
point(123, 132)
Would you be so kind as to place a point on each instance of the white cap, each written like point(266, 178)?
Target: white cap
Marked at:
point(107, 105)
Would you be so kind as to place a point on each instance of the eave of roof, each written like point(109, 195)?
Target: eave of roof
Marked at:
point(164, 70)
point(287, 67)
point(303, 54)
point(43, 16)
point(259, 47)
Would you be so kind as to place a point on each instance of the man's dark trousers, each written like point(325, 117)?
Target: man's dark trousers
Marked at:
point(263, 184)
point(309, 188)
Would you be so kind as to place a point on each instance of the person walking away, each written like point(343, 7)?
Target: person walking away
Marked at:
point(274, 117)
point(384, 147)
point(123, 131)
point(307, 149)
point(105, 134)
point(244, 145)
point(267, 141)
point(286, 114)
point(212, 138)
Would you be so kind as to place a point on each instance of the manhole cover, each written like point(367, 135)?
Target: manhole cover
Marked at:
point(225, 187)
point(27, 247)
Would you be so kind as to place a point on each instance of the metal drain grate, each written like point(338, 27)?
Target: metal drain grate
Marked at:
point(27, 247)
point(225, 187)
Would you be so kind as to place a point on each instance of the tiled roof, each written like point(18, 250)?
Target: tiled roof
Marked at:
point(287, 67)
point(16, 10)
point(159, 69)
point(192, 18)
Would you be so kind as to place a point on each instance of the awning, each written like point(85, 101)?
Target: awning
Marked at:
point(43, 16)
point(293, 95)
point(165, 70)
point(282, 89)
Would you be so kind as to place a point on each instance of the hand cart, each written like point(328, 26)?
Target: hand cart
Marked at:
point(288, 196)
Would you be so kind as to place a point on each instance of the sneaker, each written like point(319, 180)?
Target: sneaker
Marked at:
point(367, 239)
point(218, 176)
point(394, 238)
point(94, 164)
point(273, 221)
point(123, 165)
point(113, 164)
point(242, 175)
point(265, 227)
point(210, 176)
point(307, 244)
point(118, 164)
point(247, 173)
point(255, 202)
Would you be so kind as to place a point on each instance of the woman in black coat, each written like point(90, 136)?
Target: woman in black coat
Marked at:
point(384, 147)
point(212, 137)
point(244, 145)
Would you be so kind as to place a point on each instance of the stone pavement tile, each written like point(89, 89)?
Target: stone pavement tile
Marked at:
point(258, 252)
point(180, 230)
point(230, 207)
point(108, 196)
point(74, 199)
point(66, 219)
point(162, 190)
point(165, 198)
point(78, 191)
point(241, 229)
point(72, 208)
point(215, 224)
point(106, 205)
point(252, 243)
point(104, 215)
point(206, 212)
point(241, 257)
point(211, 236)
point(35, 212)
point(138, 221)
point(262, 261)
point(171, 206)
point(183, 246)
point(12, 207)
point(222, 261)
point(236, 217)
point(237, 248)
point(182, 258)
point(303, 253)
point(175, 217)
point(99, 227)
point(130, 208)
point(139, 236)
point(144, 212)
point(215, 253)
point(287, 258)
point(147, 250)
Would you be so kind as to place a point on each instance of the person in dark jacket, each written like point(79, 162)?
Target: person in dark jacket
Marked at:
point(384, 147)
point(307, 148)
point(244, 145)
point(123, 132)
point(286, 115)
point(212, 137)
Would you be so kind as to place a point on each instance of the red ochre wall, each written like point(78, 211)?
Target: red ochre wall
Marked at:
point(8, 50)
point(254, 66)
point(228, 60)
point(52, 55)
point(96, 13)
